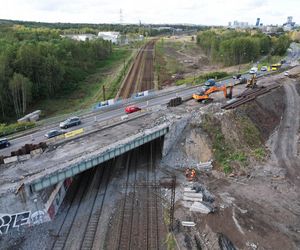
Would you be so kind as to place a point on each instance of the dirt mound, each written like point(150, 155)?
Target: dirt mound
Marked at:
point(266, 111)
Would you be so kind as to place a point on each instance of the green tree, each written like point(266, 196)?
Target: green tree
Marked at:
point(20, 88)
point(280, 45)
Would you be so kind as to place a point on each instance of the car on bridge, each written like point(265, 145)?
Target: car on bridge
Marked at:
point(132, 109)
point(253, 70)
point(237, 77)
point(70, 122)
point(264, 68)
point(53, 133)
point(210, 82)
point(4, 143)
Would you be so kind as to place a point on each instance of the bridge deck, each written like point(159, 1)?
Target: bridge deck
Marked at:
point(80, 153)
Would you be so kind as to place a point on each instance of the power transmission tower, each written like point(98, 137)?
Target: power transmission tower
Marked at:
point(121, 16)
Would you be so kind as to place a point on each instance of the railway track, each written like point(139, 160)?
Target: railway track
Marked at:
point(126, 220)
point(72, 209)
point(140, 76)
point(138, 222)
point(249, 95)
point(78, 228)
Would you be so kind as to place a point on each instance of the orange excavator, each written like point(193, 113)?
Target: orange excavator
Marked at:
point(203, 94)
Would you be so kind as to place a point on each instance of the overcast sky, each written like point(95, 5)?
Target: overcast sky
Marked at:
point(207, 12)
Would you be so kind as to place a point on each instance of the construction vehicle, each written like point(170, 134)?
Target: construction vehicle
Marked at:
point(275, 66)
point(241, 80)
point(190, 174)
point(203, 94)
point(252, 82)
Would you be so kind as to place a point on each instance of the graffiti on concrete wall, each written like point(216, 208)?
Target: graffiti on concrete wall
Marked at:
point(14, 221)
point(52, 210)
point(39, 217)
point(10, 221)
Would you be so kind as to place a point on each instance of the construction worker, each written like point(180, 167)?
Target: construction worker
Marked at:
point(193, 173)
point(187, 172)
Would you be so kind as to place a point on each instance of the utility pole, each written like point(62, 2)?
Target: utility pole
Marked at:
point(172, 205)
point(124, 66)
point(103, 91)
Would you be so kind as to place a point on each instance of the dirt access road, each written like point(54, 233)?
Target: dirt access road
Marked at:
point(285, 139)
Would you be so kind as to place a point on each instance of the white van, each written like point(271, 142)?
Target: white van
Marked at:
point(253, 70)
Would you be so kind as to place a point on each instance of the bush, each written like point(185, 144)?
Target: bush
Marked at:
point(259, 153)
point(15, 127)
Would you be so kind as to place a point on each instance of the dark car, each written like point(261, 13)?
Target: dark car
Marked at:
point(72, 121)
point(237, 77)
point(210, 83)
point(131, 109)
point(53, 133)
point(241, 80)
point(4, 143)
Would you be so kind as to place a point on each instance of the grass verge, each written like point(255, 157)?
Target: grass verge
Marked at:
point(14, 128)
point(160, 64)
point(204, 77)
point(170, 242)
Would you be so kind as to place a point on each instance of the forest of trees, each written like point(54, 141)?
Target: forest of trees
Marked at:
point(233, 47)
point(36, 63)
point(78, 28)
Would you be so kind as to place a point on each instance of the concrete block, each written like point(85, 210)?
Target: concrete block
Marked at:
point(36, 152)
point(185, 198)
point(24, 157)
point(10, 159)
point(189, 190)
point(200, 207)
point(34, 118)
point(188, 223)
point(193, 195)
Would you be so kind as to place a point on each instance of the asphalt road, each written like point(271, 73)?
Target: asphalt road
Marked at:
point(160, 98)
point(100, 116)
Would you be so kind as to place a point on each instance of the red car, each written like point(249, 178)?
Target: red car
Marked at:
point(131, 109)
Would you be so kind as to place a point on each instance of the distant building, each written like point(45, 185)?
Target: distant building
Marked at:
point(289, 25)
point(257, 22)
point(164, 28)
point(112, 36)
point(237, 24)
point(229, 24)
point(270, 29)
point(80, 37)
